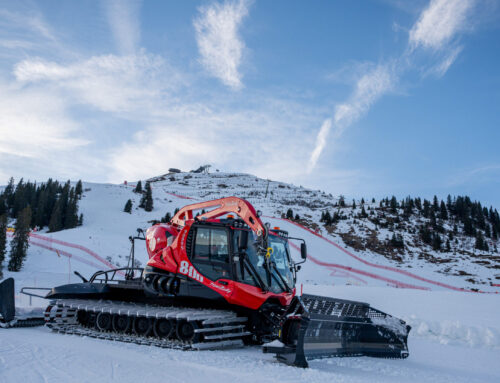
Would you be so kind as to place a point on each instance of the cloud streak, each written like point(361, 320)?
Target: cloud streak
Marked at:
point(436, 29)
point(439, 23)
point(110, 83)
point(219, 44)
point(123, 19)
point(369, 88)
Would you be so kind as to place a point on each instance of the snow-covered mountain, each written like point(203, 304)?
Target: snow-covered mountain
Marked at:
point(366, 228)
point(455, 335)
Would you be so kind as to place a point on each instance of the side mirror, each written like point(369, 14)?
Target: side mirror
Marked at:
point(303, 250)
point(243, 240)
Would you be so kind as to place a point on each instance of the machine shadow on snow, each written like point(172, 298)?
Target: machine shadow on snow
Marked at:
point(213, 281)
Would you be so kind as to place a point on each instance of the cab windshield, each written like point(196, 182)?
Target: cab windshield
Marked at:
point(280, 271)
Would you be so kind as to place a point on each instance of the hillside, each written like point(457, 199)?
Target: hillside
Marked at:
point(412, 235)
point(449, 341)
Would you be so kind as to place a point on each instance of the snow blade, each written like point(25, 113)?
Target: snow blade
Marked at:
point(7, 304)
point(320, 327)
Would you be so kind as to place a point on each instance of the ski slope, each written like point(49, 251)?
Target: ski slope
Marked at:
point(455, 334)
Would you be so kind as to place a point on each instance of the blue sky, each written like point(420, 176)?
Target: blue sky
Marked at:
point(362, 98)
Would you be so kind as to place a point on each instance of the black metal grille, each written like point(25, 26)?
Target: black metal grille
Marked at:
point(332, 307)
point(373, 313)
point(189, 242)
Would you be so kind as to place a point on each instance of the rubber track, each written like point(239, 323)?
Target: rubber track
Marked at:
point(227, 329)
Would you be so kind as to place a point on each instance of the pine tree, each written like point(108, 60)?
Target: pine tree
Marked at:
point(289, 214)
point(3, 241)
point(363, 212)
point(297, 217)
point(56, 219)
point(79, 189)
point(444, 212)
point(435, 204)
point(167, 218)
point(394, 204)
point(128, 207)
point(479, 241)
point(9, 193)
point(328, 219)
point(148, 202)
point(18, 199)
point(418, 204)
point(80, 220)
point(436, 242)
point(39, 213)
point(449, 204)
point(20, 241)
point(448, 246)
point(468, 227)
point(138, 187)
point(487, 231)
point(397, 241)
point(425, 235)
point(353, 204)
point(71, 217)
point(341, 201)
point(3, 204)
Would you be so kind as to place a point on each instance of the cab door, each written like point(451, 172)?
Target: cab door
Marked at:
point(211, 253)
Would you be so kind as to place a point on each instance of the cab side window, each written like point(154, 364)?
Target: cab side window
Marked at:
point(211, 253)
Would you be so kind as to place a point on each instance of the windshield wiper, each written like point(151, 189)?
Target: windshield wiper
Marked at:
point(284, 284)
point(254, 273)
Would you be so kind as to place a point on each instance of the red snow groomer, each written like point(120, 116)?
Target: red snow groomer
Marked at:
point(216, 282)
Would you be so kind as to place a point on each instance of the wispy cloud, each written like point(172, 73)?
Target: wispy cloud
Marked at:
point(440, 69)
point(480, 174)
point(191, 133)
point(123, 19)
point(109, 83)
point(220, 46)
point(35, 123)
point(369, 88)
point(32, 22)
point(150, 118)
point(439, 23)
point(437, 28)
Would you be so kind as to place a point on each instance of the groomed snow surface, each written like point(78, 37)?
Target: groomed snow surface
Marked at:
point(455, 335)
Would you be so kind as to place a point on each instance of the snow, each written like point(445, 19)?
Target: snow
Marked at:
point(36, 355)
point(455, 335)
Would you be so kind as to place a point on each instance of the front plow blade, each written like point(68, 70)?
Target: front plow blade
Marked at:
point(320, 327)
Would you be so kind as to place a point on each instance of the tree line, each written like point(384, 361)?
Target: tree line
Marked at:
point(33, 206)
point(474, 219)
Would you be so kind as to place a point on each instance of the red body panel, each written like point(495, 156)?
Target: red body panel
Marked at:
point(156, 238)
point(170, 255)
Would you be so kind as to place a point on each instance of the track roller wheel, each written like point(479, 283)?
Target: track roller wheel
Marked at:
point(103, 321)
point(143, 326)
point(83, 317)
point(163, 328)
point(185, 331)
point(121, 323)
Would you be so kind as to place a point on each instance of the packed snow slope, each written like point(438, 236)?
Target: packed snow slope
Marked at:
point(455, 333)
